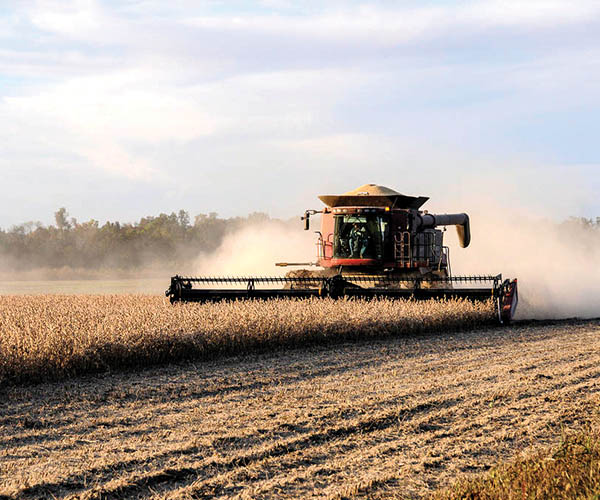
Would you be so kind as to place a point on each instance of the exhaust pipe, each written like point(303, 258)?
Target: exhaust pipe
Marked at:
point(461, 221)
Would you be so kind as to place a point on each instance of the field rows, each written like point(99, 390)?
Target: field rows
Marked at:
point(399, 416)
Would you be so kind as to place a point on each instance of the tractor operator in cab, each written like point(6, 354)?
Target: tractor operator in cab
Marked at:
point(358, 240)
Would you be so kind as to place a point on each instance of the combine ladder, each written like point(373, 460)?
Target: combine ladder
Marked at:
point(402, 248)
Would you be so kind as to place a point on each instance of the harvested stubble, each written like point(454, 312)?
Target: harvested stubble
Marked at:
point(392, 418)
point(54, 336)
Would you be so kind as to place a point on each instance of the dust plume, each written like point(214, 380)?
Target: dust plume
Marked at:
point(556, 264)
point(254, 249)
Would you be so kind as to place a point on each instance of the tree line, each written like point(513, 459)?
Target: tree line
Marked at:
point(166, 239)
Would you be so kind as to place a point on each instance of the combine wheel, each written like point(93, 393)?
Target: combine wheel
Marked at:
point(335, 286)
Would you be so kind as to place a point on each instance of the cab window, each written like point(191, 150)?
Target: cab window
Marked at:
point(358, 236)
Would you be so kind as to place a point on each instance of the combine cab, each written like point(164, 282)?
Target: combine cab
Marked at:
point(373, 242)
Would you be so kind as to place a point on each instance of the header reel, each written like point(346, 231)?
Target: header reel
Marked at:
point(504, 293)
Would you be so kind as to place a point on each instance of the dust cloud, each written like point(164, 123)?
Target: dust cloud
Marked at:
point(254, 249)
point(556, 264)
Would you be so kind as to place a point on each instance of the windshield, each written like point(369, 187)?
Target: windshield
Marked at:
point(360, 236)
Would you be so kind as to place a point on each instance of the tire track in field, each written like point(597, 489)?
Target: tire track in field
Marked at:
point(75, 482)
point(574, 389)
point(130, 422)
point(144, 484)
point(362, 426)
point(131, 464)
point(194, 396)
point(392, 481)
point(479, 359)
point(17, 420)
point(434, 426)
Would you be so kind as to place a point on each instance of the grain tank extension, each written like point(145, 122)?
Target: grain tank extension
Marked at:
point(373, 242)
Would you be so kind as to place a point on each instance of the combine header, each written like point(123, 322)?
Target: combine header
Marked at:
point(373, 242)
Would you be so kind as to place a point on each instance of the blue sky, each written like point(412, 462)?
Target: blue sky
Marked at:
point(122, 109)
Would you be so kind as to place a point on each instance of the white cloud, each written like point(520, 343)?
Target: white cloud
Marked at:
point(391, 26)
point(99, 116)
point(76, 19)
point(191, 31)
point(124, 89)
point(535, 13)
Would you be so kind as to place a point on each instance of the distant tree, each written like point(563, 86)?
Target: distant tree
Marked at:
point(184, 219)
point(60, 217)
point(582, 222)
point(258, 217)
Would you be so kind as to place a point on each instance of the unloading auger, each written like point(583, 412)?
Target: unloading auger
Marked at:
point(373, 242)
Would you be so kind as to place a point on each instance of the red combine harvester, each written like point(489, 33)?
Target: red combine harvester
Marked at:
point(373, 242)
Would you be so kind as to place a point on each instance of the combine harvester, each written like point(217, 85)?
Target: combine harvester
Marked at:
point(373, 242)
